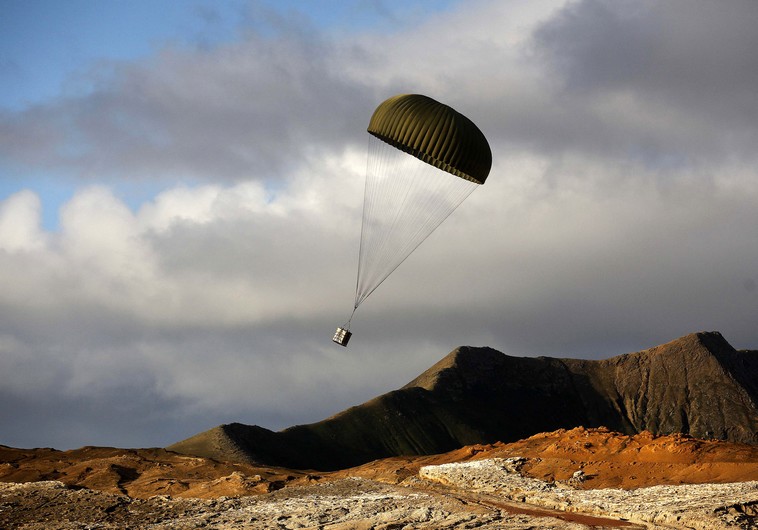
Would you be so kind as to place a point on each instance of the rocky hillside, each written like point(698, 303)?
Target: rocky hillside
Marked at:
point(697, 385)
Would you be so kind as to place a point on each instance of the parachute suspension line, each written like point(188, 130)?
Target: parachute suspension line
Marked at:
point(405, 200)
point(378, 208)
point(346, 325)
point(369, 190)
point(381, 209)
point(392, 196)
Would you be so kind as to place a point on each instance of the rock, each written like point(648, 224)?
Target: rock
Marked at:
point(577, 478)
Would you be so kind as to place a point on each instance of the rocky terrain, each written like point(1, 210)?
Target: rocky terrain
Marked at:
point(480, 440)
point(697, 385)
point(575, 479)
point(702, 506)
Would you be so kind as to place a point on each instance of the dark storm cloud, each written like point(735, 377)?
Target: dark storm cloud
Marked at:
point(697, 51)
point(672, 83)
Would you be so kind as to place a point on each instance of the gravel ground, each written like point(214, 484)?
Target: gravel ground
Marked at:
point(344, 504)
point(483, 494)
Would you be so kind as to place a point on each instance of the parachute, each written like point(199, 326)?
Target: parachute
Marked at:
point(424, 159)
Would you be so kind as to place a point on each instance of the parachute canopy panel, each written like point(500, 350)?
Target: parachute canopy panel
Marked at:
point(434, 133)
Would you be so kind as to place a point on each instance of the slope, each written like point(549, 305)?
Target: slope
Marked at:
point(697, 385)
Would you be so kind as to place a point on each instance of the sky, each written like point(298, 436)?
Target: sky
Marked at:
point(181, 189)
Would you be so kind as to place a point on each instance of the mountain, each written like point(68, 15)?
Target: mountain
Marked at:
point(697, 385)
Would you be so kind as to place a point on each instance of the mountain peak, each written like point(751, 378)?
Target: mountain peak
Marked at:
point(465, 362)
point(712, 340)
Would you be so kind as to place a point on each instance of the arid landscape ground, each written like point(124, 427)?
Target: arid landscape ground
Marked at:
point(348, 471)
point(96, 487)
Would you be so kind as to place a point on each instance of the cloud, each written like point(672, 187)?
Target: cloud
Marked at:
point(619, 214)
point(19, 223)
point(191, 255)
point(253, 109)
point(655, 83)
point(613, 80)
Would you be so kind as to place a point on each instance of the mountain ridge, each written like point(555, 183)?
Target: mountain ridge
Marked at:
point(697, 384)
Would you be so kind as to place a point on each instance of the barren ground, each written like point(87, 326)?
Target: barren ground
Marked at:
point(153, 488)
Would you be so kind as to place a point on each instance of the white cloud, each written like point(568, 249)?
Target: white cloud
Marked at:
point(20, 229)
point(211, 254)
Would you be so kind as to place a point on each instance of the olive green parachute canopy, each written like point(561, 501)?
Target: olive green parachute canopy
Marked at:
point(433, 133)
point(424, 159)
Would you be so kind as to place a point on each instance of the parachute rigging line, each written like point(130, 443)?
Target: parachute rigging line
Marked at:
point(405, 200)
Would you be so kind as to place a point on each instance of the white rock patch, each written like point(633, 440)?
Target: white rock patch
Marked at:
point(698, 506)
